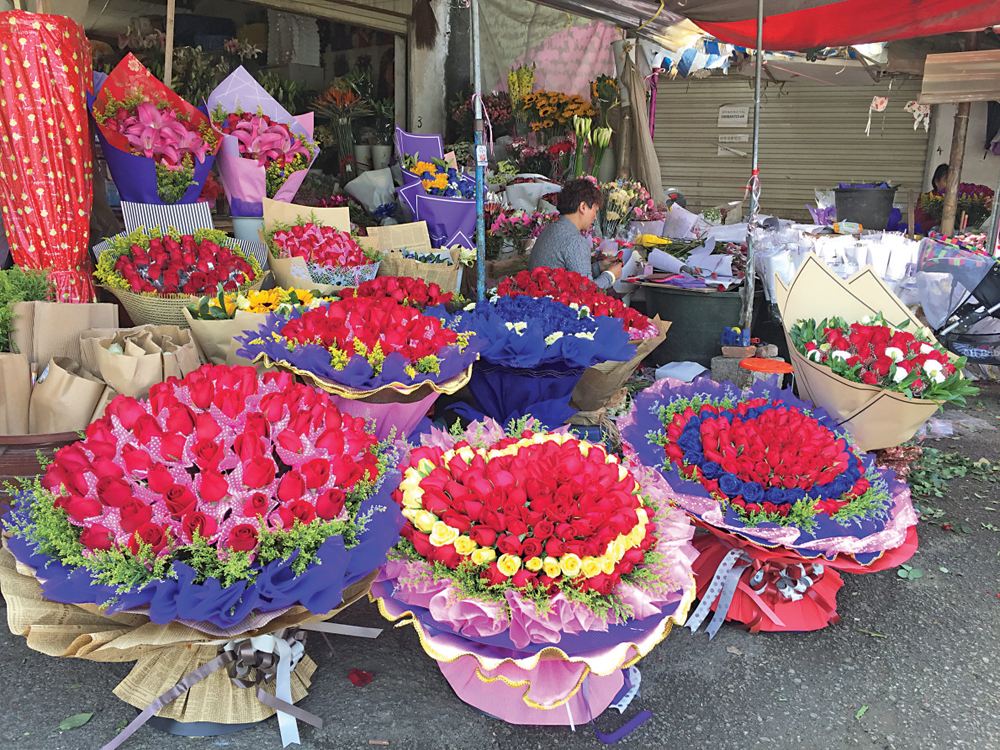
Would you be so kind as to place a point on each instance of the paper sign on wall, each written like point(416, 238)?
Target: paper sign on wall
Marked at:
point(729, 144)
point(734, 116)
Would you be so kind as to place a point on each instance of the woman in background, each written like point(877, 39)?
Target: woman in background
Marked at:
point(939, 183)
point(562, 243)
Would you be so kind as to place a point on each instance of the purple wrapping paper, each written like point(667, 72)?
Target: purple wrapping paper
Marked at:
point(245, 181)
point(427, 147)
point(450, 221)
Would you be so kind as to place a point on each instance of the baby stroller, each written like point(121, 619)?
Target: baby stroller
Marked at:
point(960, 293)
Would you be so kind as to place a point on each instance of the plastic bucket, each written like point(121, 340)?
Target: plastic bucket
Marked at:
point(247, 228)
point(869, 207)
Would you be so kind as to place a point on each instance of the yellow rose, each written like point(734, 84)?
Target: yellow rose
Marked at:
point(570, 565)
point(551, 565)
point(509, 564)
point(607, 565)
point(619, 549)
point(591, 566)
point(466, 453)
point(425, 466)
point(442, 534)
point(642, 515)
point(424, 520)
point(484, 555)
point(534, 564)
point(464, 545)
point(412, 497)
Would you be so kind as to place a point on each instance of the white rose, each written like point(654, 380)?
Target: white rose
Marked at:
point(900, 375)
point(926, 348)
point(939, 377)
point(932, 366)
point(815, 355)
point(867, 320)
point(553, 338)
point(840, 354)
point(894, 353)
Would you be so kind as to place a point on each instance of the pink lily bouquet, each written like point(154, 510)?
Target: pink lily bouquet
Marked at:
point(159, 148)
point(266, 152)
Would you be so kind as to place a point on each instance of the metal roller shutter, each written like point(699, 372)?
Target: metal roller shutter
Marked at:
point(812, 136)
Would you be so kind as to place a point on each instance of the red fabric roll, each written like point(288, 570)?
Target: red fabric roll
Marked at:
point(45, 151)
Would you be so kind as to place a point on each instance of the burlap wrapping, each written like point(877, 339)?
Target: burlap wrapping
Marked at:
point(876, 418)
point(150, 355)
point(15, 390)
point(43, 330)
point(216, 339)
point(163, 653)
point(602, 381)
point(444, 275)
point(64, 398)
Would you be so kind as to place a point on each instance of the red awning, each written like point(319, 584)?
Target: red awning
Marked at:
point(835, 23)
point(795, 24)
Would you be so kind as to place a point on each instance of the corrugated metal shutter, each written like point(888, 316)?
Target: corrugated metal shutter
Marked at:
point(812, 136)
point(385, 15)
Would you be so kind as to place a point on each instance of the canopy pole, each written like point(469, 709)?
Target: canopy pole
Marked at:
point(168, 45)
point(746, 319)
point(477, 101)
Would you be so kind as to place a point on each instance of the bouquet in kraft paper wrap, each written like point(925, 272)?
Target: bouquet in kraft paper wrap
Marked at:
point(536, 569)
point(266, 152)
point(200, 533)
point(785, 493)
point(159, 148)
point(314, 248)
point(859, 353)
point(376, 357)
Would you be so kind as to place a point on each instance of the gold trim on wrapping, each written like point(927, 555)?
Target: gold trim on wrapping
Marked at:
point(549, 652)
point(448, 387)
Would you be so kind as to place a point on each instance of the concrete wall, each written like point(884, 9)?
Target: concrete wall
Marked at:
point(427, 73)
point(975, 168)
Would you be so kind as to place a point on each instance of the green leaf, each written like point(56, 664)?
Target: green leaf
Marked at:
point(861, 712)
point(916, 573)
point(903, 573)
point(75, 721)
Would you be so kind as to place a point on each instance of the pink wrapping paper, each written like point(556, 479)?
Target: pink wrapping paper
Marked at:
point(403, 417)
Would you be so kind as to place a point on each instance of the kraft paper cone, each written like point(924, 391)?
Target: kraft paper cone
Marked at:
point(445, 276)
point(164, 653)
point(876, 418)
point(43, 330)
point(151, 354)
point(216, 339)
point(64, 398)
point(602, 381)
point(279, 212)
point(107, 396)
point(15, 391)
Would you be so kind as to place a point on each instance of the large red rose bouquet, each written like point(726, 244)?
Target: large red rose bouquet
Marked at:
point(332, 256)
point(524, 543)
point(227, 503)
point(576, 290)
point(876, 353)
point(159, 148)
point(786, 494)
point(156, 274)
point(406, 290)
point(363, 349)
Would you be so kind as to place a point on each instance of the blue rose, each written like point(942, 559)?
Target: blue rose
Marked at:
point(775, 495)
point(689, 440)
point(695, 457)
point(711, 470)
point(753, 492)
point(730, 485)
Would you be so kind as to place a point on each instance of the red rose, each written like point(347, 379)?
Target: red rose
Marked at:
point(493, 575)
point(316, 472)
point(291, 487)
point(206, 526)
point(180, 500)
point(135, 514)
point(180, 420)
point(159, 479)
point(330, 504)
point(208, 454)
point(422, 544)
point(96, 537)
point(297, 510)
point(510, 545)
point(483, 536)
point(524, 578)
point(257, 505)
point(150, 534)
point(446, 555)
point(543, 530)
point(458, 521)
point(257, 474)
point(78, 507)
point(135, 459)
point(242, 537)
point(172, 447)
point(213, 486)
point(554, 548)
point(113, 492)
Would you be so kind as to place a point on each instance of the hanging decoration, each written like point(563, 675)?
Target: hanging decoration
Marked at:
point(879, 103)
point(45, 155)
point(921, 114)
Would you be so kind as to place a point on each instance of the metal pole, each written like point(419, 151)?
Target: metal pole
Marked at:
point(168, 46)
point(749, 283)
point(480, 157)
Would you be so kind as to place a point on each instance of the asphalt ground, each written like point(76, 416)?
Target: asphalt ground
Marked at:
point(912, 664)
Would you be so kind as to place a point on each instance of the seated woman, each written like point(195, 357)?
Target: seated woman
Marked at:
point(939, 184)
point(562, 244)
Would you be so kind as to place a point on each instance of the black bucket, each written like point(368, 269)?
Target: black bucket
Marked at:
point(868, 206)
